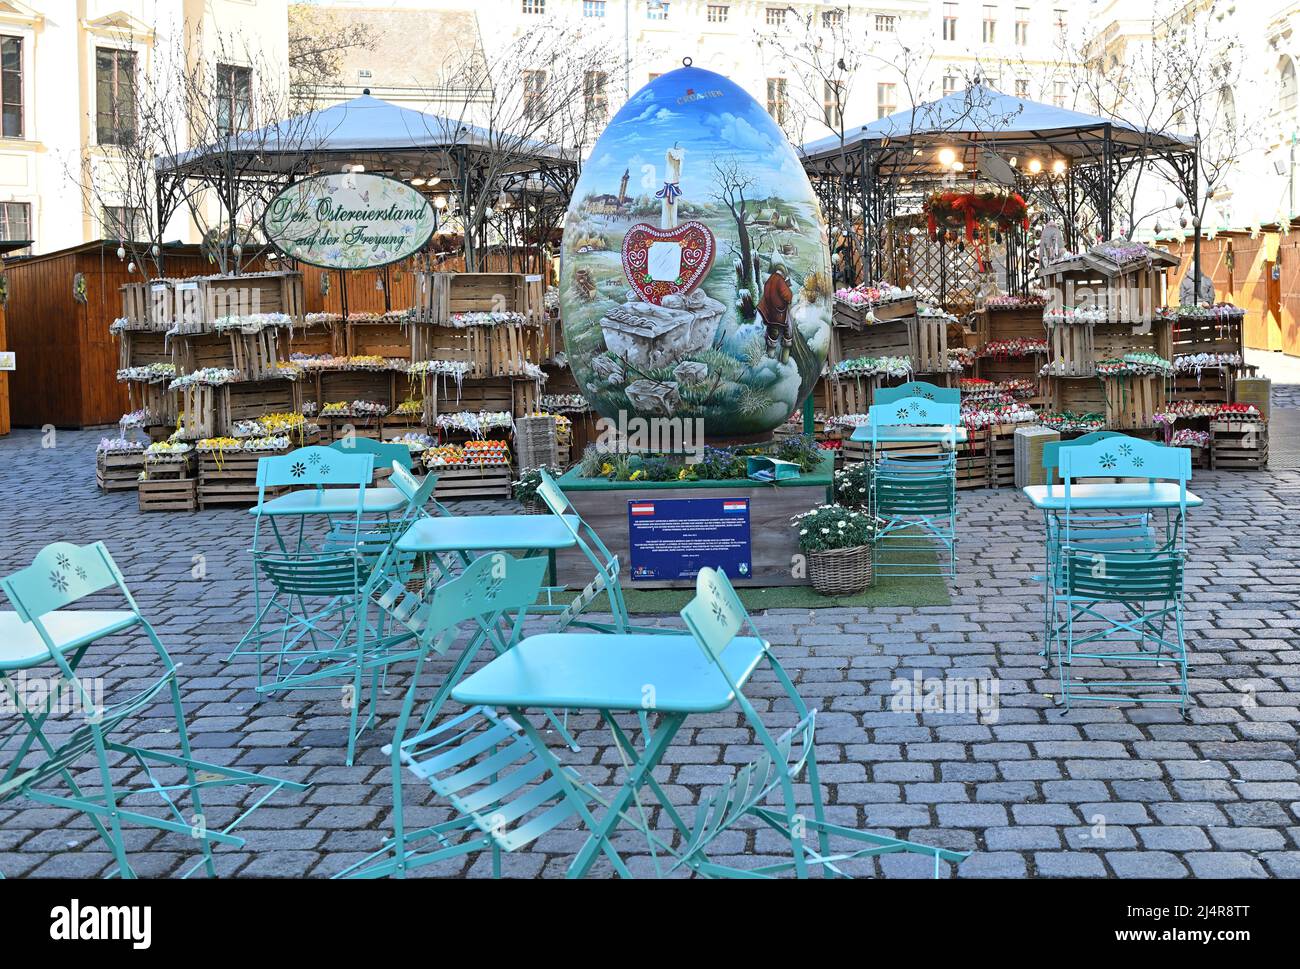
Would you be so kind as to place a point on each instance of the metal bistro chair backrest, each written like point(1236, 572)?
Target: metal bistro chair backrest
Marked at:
point(917, 388)
point(385, 453)
point(1127, 457)
point(1052, 451)
point(313, 466)
point(418, 494)
point(602, 559)
point(913, 412)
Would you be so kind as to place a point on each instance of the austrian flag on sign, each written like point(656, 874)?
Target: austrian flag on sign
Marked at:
point(643, 508)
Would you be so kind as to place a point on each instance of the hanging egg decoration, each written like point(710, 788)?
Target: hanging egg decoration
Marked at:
point(695, 276)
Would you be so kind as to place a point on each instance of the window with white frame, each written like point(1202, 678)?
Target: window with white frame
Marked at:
point(114, 96)
point(534, 7)
point(886, 23)
point(775, 16)
point(990, 24)
point(833, 103)
point(950, 21)
point(656, 9)
point(234, 99)
point(832, 18)
point(15, 222)
point(1022, 26)
point(886, 99)
point(534, 93)
point(776, 100)
point(594, 96)
point(1286, 93)
point(1060, 93)
point(717, 13)
point(593, 8)
point(1022, 87)
point(123, 222)
point(11, 86)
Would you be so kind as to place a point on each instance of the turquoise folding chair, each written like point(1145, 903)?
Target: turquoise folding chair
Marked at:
point(385, 453)
point(603, 561)
point(494, 594)
point(508, 789)
point(40, 765)
point(1132, 585)
point(1095, 530)
point(917, 388)
point(914, 499)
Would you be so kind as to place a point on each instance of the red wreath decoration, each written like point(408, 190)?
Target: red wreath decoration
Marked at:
point(974, 211)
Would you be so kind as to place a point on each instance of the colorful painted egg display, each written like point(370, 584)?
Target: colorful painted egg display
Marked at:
point(695, 279)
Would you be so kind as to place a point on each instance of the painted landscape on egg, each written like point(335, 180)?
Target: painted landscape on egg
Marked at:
point(695, 278)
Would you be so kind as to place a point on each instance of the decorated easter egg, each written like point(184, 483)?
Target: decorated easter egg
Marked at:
point(695, 277)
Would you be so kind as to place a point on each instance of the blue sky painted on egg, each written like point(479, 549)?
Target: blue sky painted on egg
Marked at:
point(731, 124)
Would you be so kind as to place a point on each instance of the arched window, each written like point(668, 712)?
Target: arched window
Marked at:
point(1286, 94)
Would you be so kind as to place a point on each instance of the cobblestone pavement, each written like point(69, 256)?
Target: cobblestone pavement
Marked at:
point(1104, 791)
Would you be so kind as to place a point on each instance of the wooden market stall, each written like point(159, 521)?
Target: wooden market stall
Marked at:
point(59, 330)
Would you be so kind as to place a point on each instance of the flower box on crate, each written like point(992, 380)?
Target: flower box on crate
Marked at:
point(440, 296)
point(1239, 445)
point(1133, 401)
point(118, 471)
point(168, 486)
point(471, 481)
point(202, 300)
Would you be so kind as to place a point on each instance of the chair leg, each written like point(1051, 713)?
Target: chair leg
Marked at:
point(124, 869)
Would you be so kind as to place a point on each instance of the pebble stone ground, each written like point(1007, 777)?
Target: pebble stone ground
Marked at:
point(1101, 792)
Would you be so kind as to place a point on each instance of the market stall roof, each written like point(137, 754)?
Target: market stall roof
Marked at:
point(379, 134)
point(982, 118)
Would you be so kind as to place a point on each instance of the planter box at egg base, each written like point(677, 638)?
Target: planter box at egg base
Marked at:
point(603, 505)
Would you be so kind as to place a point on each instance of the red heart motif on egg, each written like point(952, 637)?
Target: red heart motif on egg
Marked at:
point(647, 273)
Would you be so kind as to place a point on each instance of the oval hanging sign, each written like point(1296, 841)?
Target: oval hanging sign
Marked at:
point(351, 220)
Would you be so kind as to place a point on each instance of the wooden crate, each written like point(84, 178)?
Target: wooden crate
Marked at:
point(1078, 395)
point(118, 472)
point(472, 481)
point(338, 428)
point(138, 348)
point(1132, 402)
point(388, 340)
point(316, 339)
point(993, 323)
point(851, 395)
point(169, 486)
point(154, 398)
point(349, 385)
point(510, 347)
point(1112, 340)
point(249, 400)
point(928, 337)
point(230, 478)
point(526, 396)
point(200, 414)
point(1072, 350)
point(202, 300)
point(195, 351)
point(1239, 445)
point(255, 355)
point(454, 344)
point(397, 426)
point(492, 394)
point(1000, 440)
point(1192, 336)
point(439, 296)
point(854, 316)
point(891, 339)
point(1001, 369)
point(1209, 387)
point(148, 305)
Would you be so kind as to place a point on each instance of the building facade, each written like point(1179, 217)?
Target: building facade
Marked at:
point(67, 72)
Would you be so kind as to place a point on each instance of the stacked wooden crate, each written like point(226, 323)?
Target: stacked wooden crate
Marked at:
point(1239, 445)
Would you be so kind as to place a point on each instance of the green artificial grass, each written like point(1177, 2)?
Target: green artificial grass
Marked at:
point(927, 591)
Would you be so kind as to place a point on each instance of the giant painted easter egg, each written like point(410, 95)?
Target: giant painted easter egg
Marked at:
point(695, 277)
